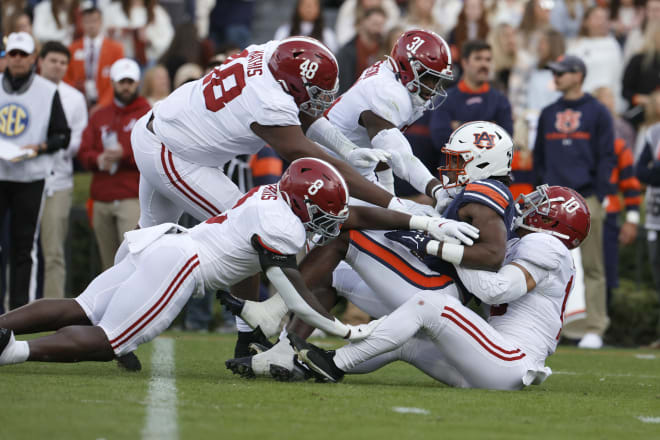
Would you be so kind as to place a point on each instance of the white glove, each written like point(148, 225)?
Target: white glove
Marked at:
point(362, 331)
point(415, 208)
point(367, 157)
point(446, 230)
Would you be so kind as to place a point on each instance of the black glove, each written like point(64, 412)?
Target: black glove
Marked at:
point(413, 240)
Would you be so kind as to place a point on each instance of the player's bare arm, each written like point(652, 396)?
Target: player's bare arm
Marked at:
point(291, 144)
point(488, 252)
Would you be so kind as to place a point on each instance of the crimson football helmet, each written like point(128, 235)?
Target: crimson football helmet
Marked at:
point(306, 70)
point(318, 195)
point(423, 63)
point(555, 210)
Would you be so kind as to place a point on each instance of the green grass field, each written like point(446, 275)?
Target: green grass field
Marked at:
point(593, 395)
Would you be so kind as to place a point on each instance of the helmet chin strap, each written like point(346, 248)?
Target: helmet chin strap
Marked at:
point(544, 231)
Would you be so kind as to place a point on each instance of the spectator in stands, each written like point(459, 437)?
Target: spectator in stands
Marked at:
point(473, 98)
point(180, 11)
point(641, 76)
point(651, 117)
point(186, 73)
point(364, 49)
point(532, 86)
point(472, 25)
point(156, 84)
point(8, 9)
point(648, 172)
point(20, 21)
point(186, 47)
point(625, 15)
point(55, 20)
point(600, 52)
point(307, 19)
point(629, 187)
point(142, 26)
point(420, 16)
point(3, 57)
point(91, 58)
point(106, 151)
point(230, 22)
point(53, 62)
point(504, 42)
point(506, 11)
point(35, 122)
point(566, 15)
point(351, 13)
point(536, 19)
point(575, 148)
point(635, 40)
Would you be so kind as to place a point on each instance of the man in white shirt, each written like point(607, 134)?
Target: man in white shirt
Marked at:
point(53, 63)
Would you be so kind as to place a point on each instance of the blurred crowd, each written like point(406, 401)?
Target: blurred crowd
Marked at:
point(501, 52)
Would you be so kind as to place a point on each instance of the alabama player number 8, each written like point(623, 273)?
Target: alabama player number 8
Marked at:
point(223, 85)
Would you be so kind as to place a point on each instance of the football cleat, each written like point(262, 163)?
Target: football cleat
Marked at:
point(299, 373)
point(129, 362)
point(318, 360)
point(241, 366)
point(5, 339)
point(233, 304)
point(242, 348)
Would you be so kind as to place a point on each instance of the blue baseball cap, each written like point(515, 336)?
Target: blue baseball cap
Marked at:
point(568, 63)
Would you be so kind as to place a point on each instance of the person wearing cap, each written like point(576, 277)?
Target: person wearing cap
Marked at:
point(91, 59)
point(3, 57)
point(33, 119)
point(53, 61)
point(106, 151)
point(575, 148)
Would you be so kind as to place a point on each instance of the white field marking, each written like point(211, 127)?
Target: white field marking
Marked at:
point(645, 356)
point(161, 417)
point(645, 419)
point(410, 410)
point(639, 376)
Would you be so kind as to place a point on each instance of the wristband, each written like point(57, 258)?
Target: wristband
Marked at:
point(419, 222)
point(434, 189)
point(452, 253)
point(433, 247)
point(632, 217)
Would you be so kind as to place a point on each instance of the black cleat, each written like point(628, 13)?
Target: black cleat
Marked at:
point(233, 304)
point(129, 362)
point(299, 373)
point(319, 361)
point(242, 348)
point(242, 366)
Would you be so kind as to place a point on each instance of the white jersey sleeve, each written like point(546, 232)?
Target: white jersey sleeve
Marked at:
point(554, 251)
point(389, 101)
point(279, 230)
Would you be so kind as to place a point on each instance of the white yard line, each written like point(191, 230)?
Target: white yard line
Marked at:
point(161, 417)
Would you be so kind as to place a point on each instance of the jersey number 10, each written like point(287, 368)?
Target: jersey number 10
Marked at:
point(222, 85)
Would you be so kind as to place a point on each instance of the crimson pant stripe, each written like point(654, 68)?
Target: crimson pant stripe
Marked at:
point(194, 261)
point(176, 179)
point(476, 329)
point(474, 336)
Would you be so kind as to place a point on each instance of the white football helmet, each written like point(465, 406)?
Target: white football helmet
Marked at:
point(476, 150)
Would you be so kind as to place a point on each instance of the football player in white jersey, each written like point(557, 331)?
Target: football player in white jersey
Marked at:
point(268, 94)
point(387, 98)
point(378, 274)
point(527, 297)
point(137, 299)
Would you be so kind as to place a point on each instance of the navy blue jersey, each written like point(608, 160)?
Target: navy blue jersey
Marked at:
point(488, 192)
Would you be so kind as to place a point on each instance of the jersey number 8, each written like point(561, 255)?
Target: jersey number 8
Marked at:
point(315, 187)
point(222, 85)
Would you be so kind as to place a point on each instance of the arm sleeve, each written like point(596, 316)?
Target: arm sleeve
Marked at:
point(300, 307)
point(411, 169)
point(326, 134)
point(503, 286)
point(605, 157)
point(59, 132)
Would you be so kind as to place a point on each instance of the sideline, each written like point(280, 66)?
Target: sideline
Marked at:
point(161, 415)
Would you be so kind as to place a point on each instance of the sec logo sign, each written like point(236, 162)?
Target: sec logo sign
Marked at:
point(13, 120)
